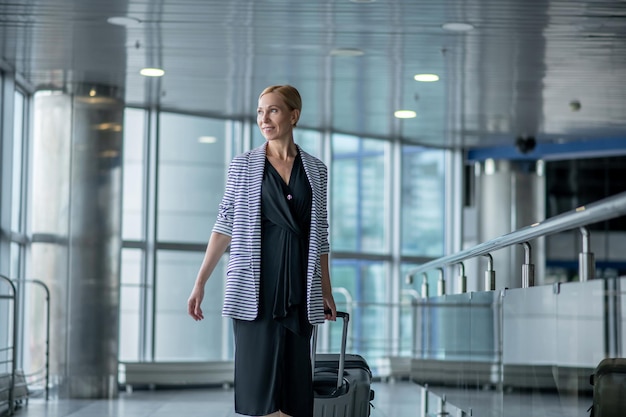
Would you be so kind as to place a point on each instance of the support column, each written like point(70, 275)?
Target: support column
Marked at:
point(76, 227)
point(511, 195)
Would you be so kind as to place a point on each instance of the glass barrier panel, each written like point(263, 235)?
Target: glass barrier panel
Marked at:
point(581, 337)
point(529, 348)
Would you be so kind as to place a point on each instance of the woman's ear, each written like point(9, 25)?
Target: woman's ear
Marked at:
point(295, 116)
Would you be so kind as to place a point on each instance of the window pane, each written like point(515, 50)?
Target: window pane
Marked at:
point(176, 273)
point(15, 256)
point(344, 205)
point(18, 148)
point(359, 203)
point(373, 204)
point(134, 178)
point(422, 202)
point(192, 166)
point(130, 323)
point(309, 140)
point(345, 144)
point(257, 137)
point(131, 305)
point(131, 266)
point(360, 287)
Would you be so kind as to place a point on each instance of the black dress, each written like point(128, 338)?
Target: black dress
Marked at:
point(272, 356)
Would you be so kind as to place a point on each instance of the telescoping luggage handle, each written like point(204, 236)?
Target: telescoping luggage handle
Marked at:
point(342, 355)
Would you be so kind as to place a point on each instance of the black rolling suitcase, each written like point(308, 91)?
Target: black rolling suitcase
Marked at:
point(609, 388)
point(341, 382)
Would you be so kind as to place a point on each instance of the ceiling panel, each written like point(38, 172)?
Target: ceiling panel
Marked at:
point(516, 73)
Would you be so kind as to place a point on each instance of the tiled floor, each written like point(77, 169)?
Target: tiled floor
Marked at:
point(400, 399)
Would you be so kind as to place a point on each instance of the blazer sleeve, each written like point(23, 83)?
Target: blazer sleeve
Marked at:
point(225, 214)
point(324, 244)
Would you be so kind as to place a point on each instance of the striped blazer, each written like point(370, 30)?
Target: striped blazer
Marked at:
point(239, 217)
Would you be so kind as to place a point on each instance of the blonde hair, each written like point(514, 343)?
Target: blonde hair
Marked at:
point(290, 96)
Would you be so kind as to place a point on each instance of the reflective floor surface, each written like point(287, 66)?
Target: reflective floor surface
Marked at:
point(399, 399)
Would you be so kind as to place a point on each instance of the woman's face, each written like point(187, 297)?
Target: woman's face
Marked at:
point(274, 117)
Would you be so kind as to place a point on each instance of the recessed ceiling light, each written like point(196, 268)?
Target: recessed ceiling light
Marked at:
point(109, 153)
point(124, 21)
point(404, 114)
point(95, 100)
point(457, 26)
point(346, 52)
point(152, 72)
point(426, 78)
point(207, 139)
point(362, 1)
point(110, 126)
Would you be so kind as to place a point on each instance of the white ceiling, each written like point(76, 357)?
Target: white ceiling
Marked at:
point(516, 73)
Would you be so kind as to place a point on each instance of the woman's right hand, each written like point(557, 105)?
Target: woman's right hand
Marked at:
point(193, 304)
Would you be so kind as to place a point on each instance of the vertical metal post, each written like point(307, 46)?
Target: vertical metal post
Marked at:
point(442, 406)
point(490, 274)
point(528, 269)
point(424, 401)
point(586, 261)
point(314, 347)
point(424, 285)
point(344, 342)
point(462, 279)
point(47, 348)
point(416, 333)
point(441, 283)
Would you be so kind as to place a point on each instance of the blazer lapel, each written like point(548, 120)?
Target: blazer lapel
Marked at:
point(257, 167)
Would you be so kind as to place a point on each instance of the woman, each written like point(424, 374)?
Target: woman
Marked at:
point(274, 217)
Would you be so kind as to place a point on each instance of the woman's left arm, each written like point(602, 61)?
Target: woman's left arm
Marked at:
point(330, 311)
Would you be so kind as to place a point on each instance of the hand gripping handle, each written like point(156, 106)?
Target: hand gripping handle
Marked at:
point(342, 355)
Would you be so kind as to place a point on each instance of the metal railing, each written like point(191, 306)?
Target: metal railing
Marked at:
point(11, 348)
point(18, 381)
point(41, 375)
point(598, 211)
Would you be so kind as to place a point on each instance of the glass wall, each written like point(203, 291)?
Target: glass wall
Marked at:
point(13, 151)
point(14, 111)
point(134, 294)
point(174, 177)
point(192, 162)
point(309, 140)
point(176, 272)
point(174, 169)
point(191, 176)
point(135, 287)
point(6, 305)
point(367, 272)
point(361, 289)
point(191, 154)
point(135, 187)
point(360, 193)
point(422, 201)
